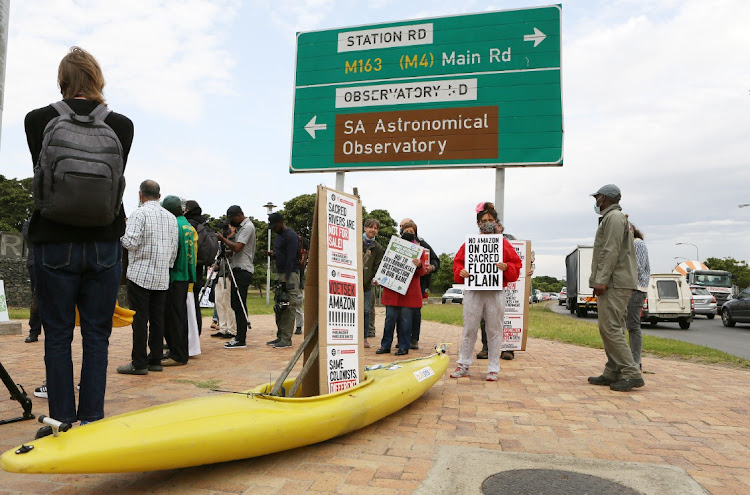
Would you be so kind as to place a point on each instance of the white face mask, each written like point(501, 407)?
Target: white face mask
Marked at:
point(597, 208)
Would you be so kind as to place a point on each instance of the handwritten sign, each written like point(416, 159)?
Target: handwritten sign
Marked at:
point(397, 269)
point(342, 300)
point(483, 253)
point(341, 230)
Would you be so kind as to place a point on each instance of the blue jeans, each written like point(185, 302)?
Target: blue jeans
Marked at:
point(87, 275)
point(399, 318)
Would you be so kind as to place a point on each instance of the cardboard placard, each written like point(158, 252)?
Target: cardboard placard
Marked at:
point(341, 229)
point(342, 322)
point(483, 252)
point(342, 367)
point(517, 301)
point(397, 269)
point(512, 333)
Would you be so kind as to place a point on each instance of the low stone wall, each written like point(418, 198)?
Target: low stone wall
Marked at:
point(15, 276)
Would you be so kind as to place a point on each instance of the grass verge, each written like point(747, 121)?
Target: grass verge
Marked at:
point(548, 325)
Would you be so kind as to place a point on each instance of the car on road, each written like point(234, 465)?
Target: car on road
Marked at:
point(705, 302)
point(562, 297)
point(736, 310)
point(453, 295)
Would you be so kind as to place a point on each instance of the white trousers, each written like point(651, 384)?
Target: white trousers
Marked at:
point(490, 305)
point(223, 302)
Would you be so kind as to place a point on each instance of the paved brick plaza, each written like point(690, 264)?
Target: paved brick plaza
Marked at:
point(693, 416)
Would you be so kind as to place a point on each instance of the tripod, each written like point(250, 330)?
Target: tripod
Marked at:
point(223, 261)
point(16, 394)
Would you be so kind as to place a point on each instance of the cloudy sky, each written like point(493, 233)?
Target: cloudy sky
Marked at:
point(656, 99)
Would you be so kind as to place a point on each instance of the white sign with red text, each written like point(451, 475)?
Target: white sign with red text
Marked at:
point(515, 293)
point(341, 304)
point(342, 366)
point(341, 230)
point(512, 333)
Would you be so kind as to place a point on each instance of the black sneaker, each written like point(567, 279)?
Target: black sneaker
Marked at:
point(383, 351)
point(298, 331)
point(281, 345)
point(600, 380)
point(627, 384)
point(482, 354)
point(402, 352)
point(32, 338)
point(272, 342)
point(218, 334)
point(414, 344)
point(507, 355)
point(234, 344)
point(41, 392)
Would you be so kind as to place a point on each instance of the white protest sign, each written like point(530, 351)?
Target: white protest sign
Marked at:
point(512, 333)
point(341, 229)
point(397, 269)
point(342, 366)
point(341, 303)
point(515, 292)
point(4, 316)
point(483, 252)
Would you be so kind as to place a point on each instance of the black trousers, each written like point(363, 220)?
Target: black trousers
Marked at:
point(197, 286)
point(176, 322)
point(148, 324)
point(243, 278)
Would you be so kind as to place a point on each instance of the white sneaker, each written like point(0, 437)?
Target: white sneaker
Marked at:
point(460, 372)
point(41, 392)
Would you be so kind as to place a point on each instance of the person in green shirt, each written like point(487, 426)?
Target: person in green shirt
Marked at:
point(181, 275)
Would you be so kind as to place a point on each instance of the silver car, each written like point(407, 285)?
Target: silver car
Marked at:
point(705, 302)
point(453, 295)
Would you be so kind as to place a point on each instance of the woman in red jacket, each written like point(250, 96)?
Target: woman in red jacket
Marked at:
point(487, 304)
point(398, 308)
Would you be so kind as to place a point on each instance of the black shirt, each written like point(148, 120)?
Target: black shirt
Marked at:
point(285, 251)
point(42, 230)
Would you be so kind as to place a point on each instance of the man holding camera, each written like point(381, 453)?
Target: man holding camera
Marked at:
point(285, 253)
point(243, 249)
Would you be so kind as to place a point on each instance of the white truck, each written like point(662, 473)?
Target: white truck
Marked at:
point(718, 282)
point(580, 297)
point(668, 299)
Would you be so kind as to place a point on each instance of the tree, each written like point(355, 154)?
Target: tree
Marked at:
point(387, 225)
point(298, 214)
point(547, 284)
point(442, 279)
point(16, 203)
point(738, 268)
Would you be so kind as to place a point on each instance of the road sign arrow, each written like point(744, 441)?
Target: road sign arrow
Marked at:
point(537, 37)
point(311, 126)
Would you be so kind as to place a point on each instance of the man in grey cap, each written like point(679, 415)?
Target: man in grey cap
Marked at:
point(613, 278)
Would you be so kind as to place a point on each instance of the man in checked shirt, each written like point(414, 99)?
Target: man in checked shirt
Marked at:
point(151, 240)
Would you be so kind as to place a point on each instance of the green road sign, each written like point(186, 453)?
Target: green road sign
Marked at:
point(480, 90)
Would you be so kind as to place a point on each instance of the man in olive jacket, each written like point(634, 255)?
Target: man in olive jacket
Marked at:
point(613, 278)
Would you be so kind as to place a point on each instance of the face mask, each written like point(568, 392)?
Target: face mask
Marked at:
point(487, 227)
point(407, 236)
point(597, 208)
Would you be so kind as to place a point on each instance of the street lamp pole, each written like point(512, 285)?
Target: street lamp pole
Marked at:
point(269, 208)
point(697, 256)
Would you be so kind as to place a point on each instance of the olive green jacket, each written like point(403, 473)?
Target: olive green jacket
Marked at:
point(613, 263)
point(370, 263)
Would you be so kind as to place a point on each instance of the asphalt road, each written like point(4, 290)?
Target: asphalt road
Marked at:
point(702, 331)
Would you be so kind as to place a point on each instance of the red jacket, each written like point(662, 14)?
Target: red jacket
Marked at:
point(413, 296)
point(509, 257)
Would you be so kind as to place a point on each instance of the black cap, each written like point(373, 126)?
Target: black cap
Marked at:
point(274, 218)
point(233, 211)
point(191, 204)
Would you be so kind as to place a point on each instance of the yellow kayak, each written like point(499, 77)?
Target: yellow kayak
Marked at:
point(230, 426)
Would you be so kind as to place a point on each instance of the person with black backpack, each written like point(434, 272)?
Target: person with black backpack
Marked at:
point(79, 149)
point(208, 247)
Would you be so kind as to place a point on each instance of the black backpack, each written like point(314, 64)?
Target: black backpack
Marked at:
point(78, 179)
point(208, 244)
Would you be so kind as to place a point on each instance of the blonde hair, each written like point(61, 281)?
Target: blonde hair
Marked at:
point(79, 75)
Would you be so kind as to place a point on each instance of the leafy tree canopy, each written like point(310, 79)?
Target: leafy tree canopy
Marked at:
point(442, 279)
point(16, 203)
point(547, 284)
point(738, 268)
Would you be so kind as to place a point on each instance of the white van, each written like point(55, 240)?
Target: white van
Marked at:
point(668, 299)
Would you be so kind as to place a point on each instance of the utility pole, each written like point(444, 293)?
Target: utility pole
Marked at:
point(4, 12)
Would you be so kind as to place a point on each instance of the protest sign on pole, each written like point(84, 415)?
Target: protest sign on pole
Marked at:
point(341, 229)
point(515, 323)
point(483, 253)
point(397, 269)
point(342, 305)
point(342, 364)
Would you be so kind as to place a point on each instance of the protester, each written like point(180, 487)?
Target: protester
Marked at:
point(181, 275)
point(424, 282)
point(194, 215)
point(227, 326)
point(77, 254)
point(299, 310)
point(243, 249)
point(613, 278)
point(286, 292)
point(487, 304)
point(151, 240)
point(399, 309)
point(372, 255)
point(635, 305)
point(35, 322)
